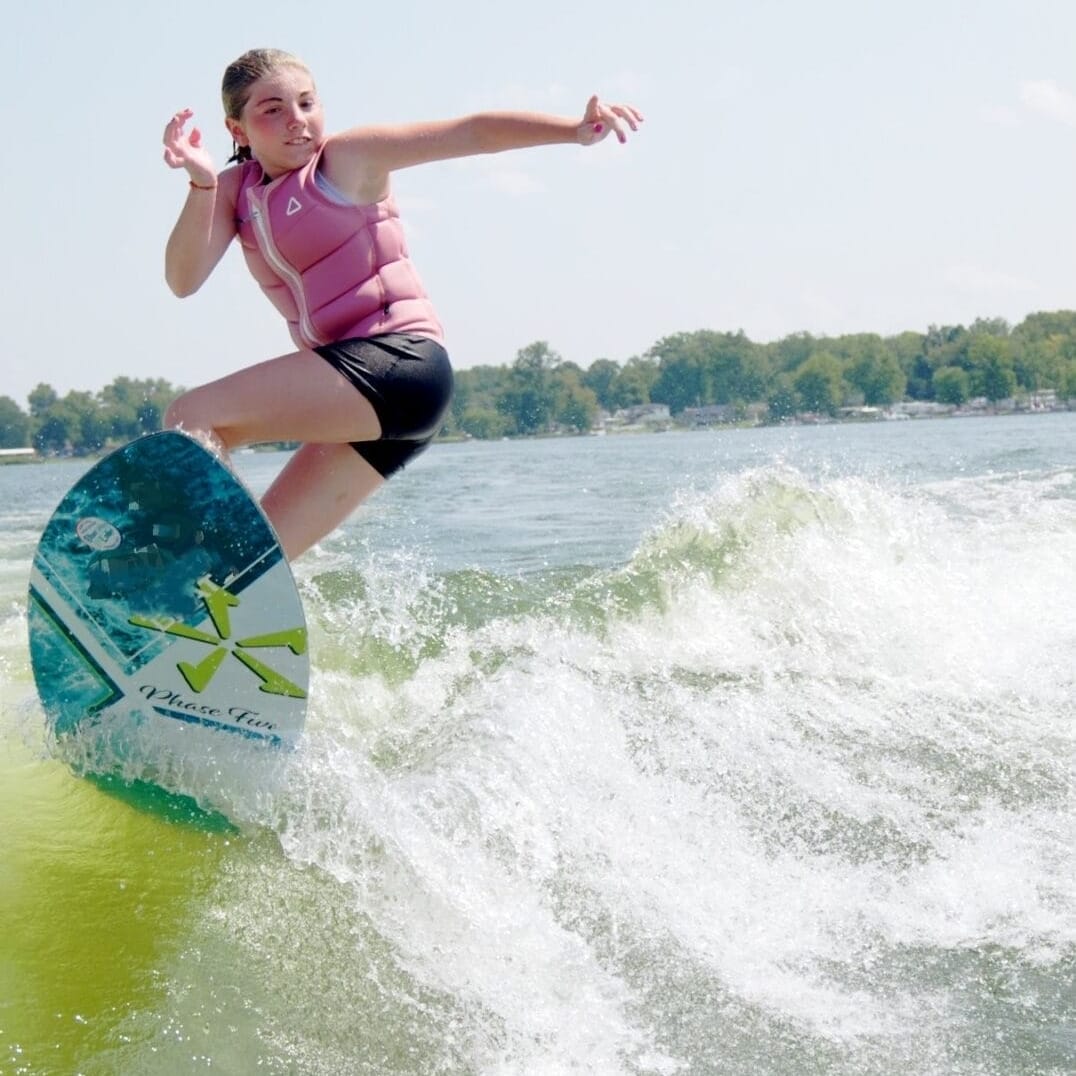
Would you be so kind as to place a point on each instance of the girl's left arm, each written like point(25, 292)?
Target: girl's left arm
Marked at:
point(363, 157)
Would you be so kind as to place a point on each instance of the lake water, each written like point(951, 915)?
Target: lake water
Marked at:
point(739, 752)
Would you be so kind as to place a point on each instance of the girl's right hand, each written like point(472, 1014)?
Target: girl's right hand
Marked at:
point(183, 150)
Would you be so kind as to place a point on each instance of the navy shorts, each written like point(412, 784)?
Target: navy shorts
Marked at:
point(408, 380)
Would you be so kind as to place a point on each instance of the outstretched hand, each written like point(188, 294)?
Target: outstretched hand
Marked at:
point(599, 119)
point(183, 150)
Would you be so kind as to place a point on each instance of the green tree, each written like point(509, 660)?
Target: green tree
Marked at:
point(149, 417)
point(576, 405)
point(600, 377)
point(908, 349)
point(681, 380)
point(998, 327)
point(529, 397)
point(992, 370)
point(782, 400)
point(14, 424)
point(1044, 344)
point(1067, 382)
point(476, 388)
point(89, 428)
point(634, 383)
point(819, 383)
point(946, 345)
point(951, 385)
point(41, 400)
point(735, 368)
point(132, 407)
point(484, 423)
point(791, 352)
point(878, 375)
point(53, 430)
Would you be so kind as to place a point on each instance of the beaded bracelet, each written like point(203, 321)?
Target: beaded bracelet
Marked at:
point(199, 187)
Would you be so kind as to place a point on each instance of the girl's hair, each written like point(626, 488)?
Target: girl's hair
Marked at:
point(241, 74)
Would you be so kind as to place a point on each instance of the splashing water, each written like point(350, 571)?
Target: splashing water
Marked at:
point(786, 790)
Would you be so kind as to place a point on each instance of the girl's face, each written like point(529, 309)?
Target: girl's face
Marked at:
point(282, 121)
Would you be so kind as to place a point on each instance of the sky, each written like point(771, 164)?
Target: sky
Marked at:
point(830, 166)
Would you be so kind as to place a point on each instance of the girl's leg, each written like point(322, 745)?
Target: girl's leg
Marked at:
point(297, 397)
point(320, 486)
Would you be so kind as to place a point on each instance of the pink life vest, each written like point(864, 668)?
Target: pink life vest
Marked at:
point(335, 271)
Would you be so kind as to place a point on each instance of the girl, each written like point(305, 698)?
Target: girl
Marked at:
point(370, 383)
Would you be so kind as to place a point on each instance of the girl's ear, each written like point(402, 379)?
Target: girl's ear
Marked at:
point(236, 131)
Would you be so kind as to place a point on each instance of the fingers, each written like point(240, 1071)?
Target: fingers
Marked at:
point(621, 116)
point(174, 155)
point(174, 127)
point(631, 115)
point(599, 119)
point(183, 149)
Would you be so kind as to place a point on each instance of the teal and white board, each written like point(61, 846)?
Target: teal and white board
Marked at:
point(160, 596)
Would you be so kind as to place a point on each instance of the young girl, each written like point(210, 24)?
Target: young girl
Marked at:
point(370, 383)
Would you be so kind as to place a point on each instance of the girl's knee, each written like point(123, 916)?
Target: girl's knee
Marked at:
point(188, 412)
point(173, 415)
point(179, 412)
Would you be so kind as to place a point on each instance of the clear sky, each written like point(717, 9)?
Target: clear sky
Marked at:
point(822, 165)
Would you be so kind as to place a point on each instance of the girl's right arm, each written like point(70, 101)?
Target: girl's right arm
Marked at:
point(206, 224)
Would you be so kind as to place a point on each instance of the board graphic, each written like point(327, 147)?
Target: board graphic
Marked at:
point(159, 593)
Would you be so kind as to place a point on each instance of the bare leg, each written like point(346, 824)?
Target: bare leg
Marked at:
point(317, 490)
point(297, 397)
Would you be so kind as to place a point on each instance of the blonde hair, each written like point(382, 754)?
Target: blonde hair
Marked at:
point(241, 74)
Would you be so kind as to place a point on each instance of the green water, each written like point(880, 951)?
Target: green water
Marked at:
point(96, 894)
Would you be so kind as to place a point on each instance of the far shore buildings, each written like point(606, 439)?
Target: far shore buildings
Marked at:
point(654, 416)
point(641, 416)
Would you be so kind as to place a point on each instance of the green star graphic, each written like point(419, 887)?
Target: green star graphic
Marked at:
point(218, 600)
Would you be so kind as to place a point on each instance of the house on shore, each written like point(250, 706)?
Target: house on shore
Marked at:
point(640, 417)
point(17, 455)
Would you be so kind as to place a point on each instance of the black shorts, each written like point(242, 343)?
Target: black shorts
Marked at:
point(408, 380)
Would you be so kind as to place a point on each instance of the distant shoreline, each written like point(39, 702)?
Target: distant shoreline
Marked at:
point(7, 458)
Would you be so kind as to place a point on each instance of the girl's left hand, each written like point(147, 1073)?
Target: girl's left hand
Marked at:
point(599, 119)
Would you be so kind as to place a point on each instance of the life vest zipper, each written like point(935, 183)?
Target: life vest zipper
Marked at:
point(259, 217)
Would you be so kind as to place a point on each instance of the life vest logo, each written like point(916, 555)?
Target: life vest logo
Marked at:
point(218, 600)
point(293, 207)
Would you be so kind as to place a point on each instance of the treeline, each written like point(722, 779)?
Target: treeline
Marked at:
point(539, 392)
point(798, 374)
point(82, 423)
